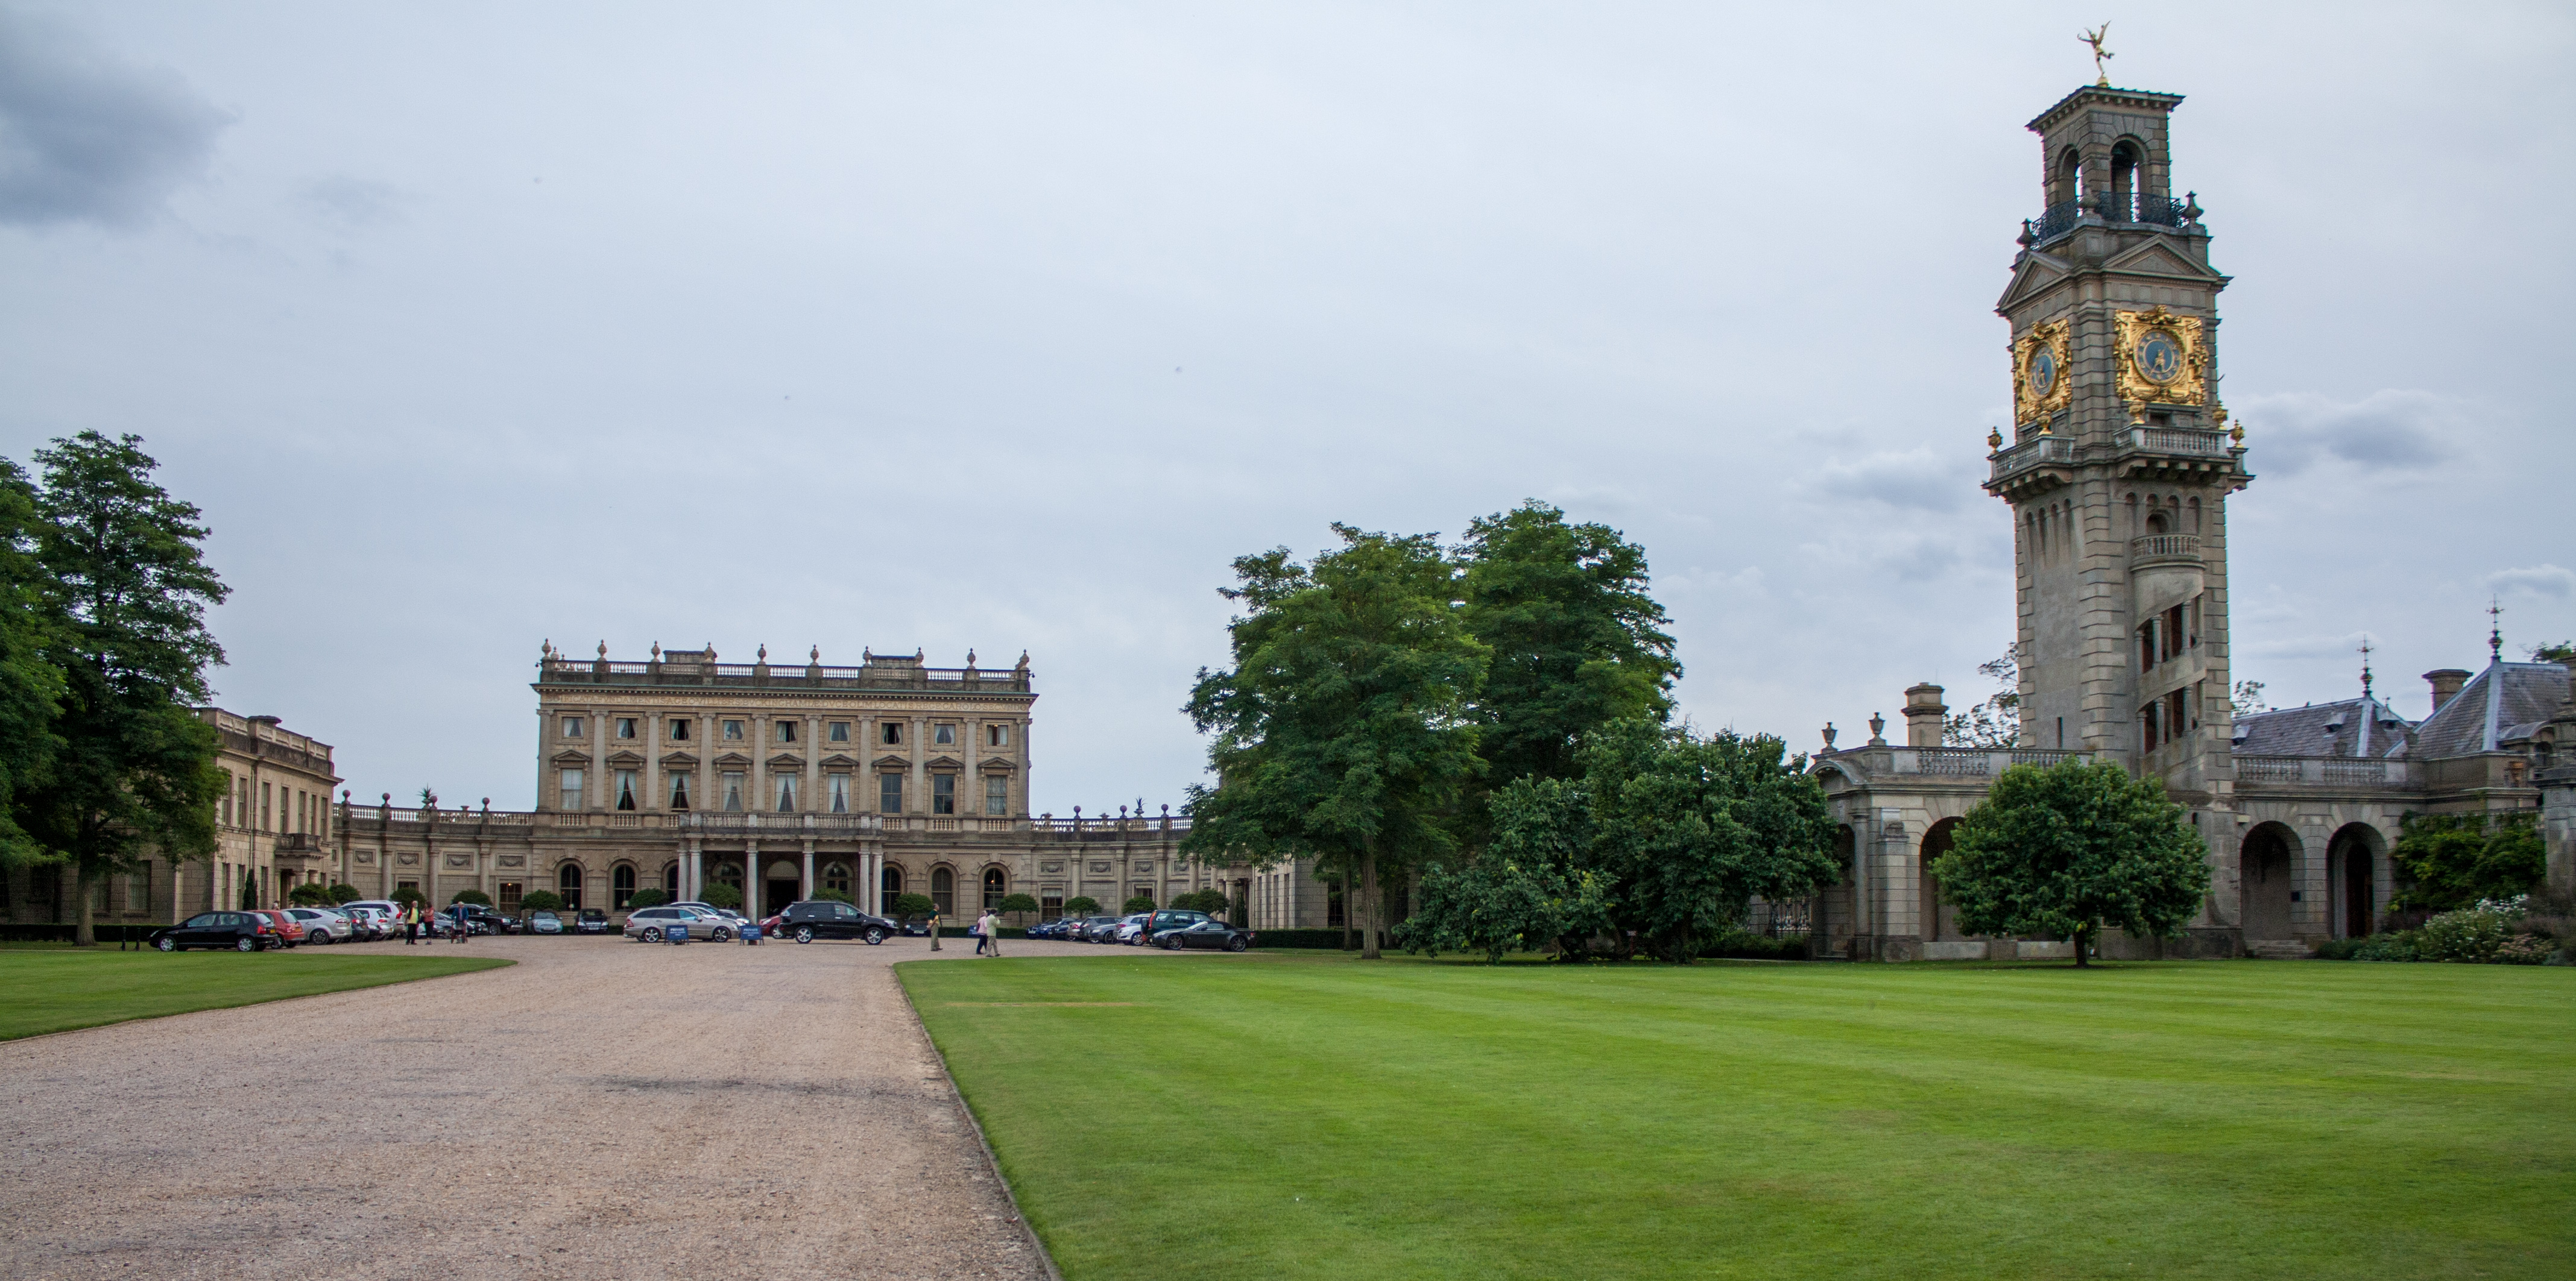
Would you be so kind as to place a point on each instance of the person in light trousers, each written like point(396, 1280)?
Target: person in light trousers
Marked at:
point(991, 928)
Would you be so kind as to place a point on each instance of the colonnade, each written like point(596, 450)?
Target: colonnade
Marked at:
point(867, 871)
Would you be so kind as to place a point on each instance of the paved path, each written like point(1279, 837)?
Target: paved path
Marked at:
point(600, 1110)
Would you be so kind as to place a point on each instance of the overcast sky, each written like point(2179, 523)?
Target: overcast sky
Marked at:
point(1008, 327)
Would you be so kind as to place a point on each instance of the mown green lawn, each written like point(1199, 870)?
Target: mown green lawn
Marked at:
point(58, 988)
point(1315, 1116)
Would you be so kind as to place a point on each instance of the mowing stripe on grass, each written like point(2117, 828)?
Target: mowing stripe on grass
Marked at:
point(62, 989)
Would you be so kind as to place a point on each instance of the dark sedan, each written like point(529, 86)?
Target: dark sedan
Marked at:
point(591, 921)
point(240, 931)
point(825, 918)
point(1207, 932)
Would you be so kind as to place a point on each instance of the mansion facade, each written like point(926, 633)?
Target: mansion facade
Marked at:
point(2119, 474)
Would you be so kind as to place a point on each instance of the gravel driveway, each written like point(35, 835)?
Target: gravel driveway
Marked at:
point(603, 1109)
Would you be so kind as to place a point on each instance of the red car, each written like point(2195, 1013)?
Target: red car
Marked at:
point(286, 927)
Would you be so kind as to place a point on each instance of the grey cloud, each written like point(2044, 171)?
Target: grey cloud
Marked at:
point(2539, 580)
point(2387, 430)
point(1915, 478)
point(87, 137)
point(352, 204)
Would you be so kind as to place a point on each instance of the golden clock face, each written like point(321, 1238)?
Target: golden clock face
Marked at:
point(2042, 372)
point(2159, 356)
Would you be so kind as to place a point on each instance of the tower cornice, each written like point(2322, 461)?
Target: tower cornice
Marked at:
point(2133, 99)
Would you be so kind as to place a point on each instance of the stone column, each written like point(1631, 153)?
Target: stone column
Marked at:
point(751, 879)
point(546, 795)
point(690, 859)
point(808, 890)
point(648, 729)
point(594, 786)
point(756, 730)
point(813, 799)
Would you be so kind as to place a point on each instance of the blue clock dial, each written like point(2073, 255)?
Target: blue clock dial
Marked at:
point(2043, 372)
point(2159, 356)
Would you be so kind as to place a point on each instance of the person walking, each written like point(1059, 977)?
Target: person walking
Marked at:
point(990, 927)
point(977, 929)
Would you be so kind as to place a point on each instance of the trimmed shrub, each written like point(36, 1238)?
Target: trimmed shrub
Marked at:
point(836, 896)
point(345, 894)
point(907, 907)
point(1758, 947)
point(407, 896)
point(721, 895)
point(640, 898)
point(543, 901)
point(476, 897)
point(1082, 905)
point(1139, 903)
point(308, 896)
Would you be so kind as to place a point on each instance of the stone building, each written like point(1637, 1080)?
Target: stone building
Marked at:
point(2118, 475)
point(273, 830)
point(681, 771)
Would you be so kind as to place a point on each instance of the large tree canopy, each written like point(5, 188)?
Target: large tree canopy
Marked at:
point(126, 590)
point(1577, 643)
point(1343, 730)
point(2061, 851)
point(31, 687)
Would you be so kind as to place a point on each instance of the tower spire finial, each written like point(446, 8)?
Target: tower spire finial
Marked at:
point(2495, 631)
point(2095, 37)
point(2365, 665)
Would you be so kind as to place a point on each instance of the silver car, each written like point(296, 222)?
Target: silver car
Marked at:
point(322, 925)
point(650, 924)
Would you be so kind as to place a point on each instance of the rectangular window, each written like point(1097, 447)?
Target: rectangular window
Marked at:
point(840, 793)
point(837, 732)
point(997, 796)
point(892, 733)
point(944, 735)
point(510, 894)
point(679, 791)
point(733, 731)
point(889, 793)
point(570, 787)
point(997, 736)
point(1051, 905)
point(679, 731)
point(733, 791)
point(267, 808)
point(626, 727)
point(786, 793)
point(787, 731)
point(572, 727)
point(626, 790)
point(943, 793)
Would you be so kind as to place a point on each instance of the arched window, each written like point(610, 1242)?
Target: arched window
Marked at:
point(995, 886)
point(836, 876)
point(2195, 515)
point(889, 885)
point(2156, 522)
point(2127, 158)
point(621, 883)
point(568, 884)
point(2067, 182)
point(671, 879)
point(730, 873)
point(943, 890)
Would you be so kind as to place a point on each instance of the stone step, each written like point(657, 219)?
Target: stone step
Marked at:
point(2278, 949)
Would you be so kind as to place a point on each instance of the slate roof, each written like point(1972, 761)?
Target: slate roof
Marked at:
point(2486, 711)
point(2353, 727)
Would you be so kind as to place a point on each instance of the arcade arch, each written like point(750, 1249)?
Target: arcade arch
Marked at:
point(2268, 869)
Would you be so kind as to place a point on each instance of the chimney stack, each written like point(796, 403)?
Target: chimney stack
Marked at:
point(2446, 683)
point(1923, 713)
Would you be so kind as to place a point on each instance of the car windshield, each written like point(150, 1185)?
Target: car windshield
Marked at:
point(545, 916)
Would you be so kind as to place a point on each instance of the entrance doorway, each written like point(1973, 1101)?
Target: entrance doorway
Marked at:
point(1940, 920)
point(2354, 864)
point(2267, 865)
point(781, 885)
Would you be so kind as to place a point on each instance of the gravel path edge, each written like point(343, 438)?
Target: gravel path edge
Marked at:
point(991, 1162)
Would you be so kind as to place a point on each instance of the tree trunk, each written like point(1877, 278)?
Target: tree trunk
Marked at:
point(2082, 936)
point(1369, 896)
point(84, 930)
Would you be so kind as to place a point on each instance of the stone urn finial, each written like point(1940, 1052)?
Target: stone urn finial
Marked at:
point(603, 649)
point(1877, 730)
point(1829, 736)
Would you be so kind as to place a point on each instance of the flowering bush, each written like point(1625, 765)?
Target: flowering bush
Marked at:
point(2486, 933)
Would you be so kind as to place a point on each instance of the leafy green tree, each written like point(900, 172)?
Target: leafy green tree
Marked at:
point(1344, 731)
point(2552, 652)
point(549, 901)
point(127, 587)
point(2459, 860)
point(310, 895)
point(1082, 905)
point(31, 686)
point(909, 907)
point(1687, 831)
point(2062, 851)
point(339, 894)
point(476, 897)
point(1996, 721)
point(1576, 642)
point(721, 895)
point(1138, 903)
point(1211, 901)
point(1017, 903)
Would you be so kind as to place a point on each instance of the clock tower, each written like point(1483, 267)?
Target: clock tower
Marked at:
point(2120, 458)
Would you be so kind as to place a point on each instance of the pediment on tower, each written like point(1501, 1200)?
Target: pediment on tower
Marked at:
point(2153, 259)
point(2036, 272)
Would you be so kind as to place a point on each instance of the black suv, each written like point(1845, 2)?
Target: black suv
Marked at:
point(483, 920)
point(824, 918)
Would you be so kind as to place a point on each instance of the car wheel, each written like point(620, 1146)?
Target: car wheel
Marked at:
point(652, 935)
point(804, 933)
point(719, 935)
point(245, 944)
point(1236, 945)
point(875, 937)
point(1172, 944)
point(167, 945)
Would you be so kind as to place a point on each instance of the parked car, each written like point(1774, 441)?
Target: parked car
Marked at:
point(240, 931)
point(288, 928)
point(712, 910)
point(546, 923)
point(1095, 929)
point(591, 921)
point(1048, 929)
point(651, 923)
point(918, 927)
point(482, 920)
point(324, 926)
point(370, 923)
point(1131, 930)
point(1169, 918)
point(1205, 932)
point(829, 919)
